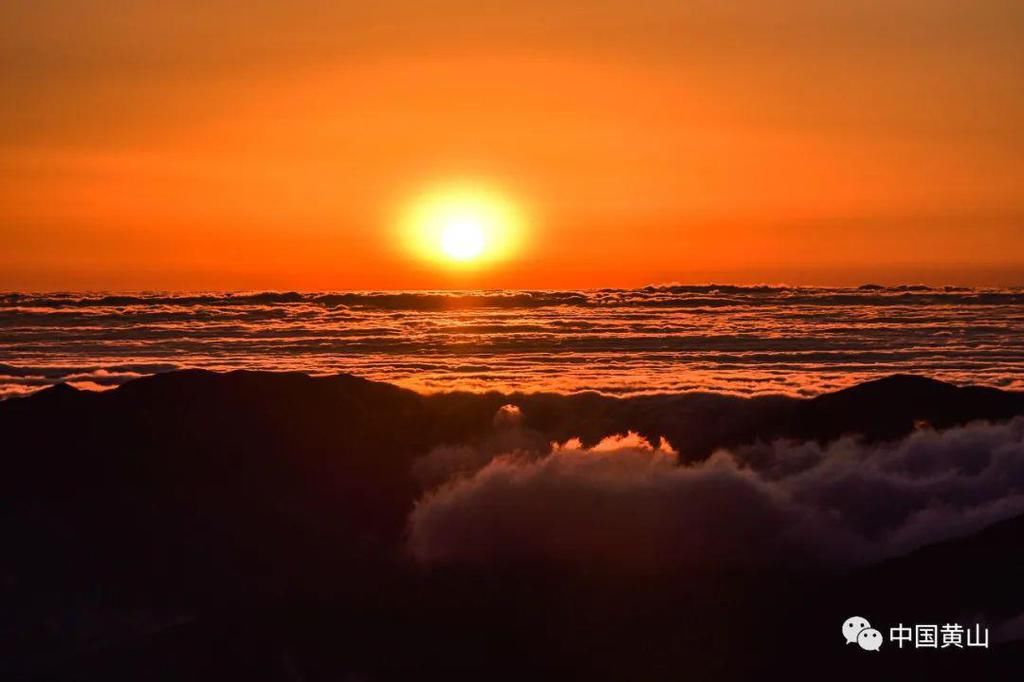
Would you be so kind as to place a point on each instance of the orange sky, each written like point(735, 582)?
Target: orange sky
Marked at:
point(217, 144)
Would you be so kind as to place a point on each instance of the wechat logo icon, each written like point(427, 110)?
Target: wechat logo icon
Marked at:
point(857, 630)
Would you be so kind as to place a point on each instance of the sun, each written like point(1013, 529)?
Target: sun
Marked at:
point(463, 238)
point(462, 225)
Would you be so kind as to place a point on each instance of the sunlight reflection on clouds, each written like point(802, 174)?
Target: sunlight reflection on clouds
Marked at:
point(736, 340)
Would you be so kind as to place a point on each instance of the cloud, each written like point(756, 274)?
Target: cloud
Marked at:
point(507, 416)
point(628, 504)
point(448, 462)
point(731, 340)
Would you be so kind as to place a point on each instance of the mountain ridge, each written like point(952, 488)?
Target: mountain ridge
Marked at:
point(272, 508)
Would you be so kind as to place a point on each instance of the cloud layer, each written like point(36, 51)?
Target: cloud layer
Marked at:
point(740, 340)
point(626, 504)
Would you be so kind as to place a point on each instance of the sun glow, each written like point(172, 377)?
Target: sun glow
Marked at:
point(463, 239)
point(462, 225)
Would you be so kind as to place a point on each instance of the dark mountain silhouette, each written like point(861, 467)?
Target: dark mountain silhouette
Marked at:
point(968, 581)
point(974, 572)
point(890, 407)
point(196, 525)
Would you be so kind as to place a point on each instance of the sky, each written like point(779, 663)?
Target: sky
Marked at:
point(268, 145)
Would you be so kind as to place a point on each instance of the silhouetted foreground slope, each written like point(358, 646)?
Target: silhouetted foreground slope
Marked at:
point(196, 525)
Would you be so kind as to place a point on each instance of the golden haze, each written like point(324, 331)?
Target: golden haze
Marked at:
point(145, 146)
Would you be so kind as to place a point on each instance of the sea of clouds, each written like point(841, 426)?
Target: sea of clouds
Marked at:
point(627, 504)
point(739, 340)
